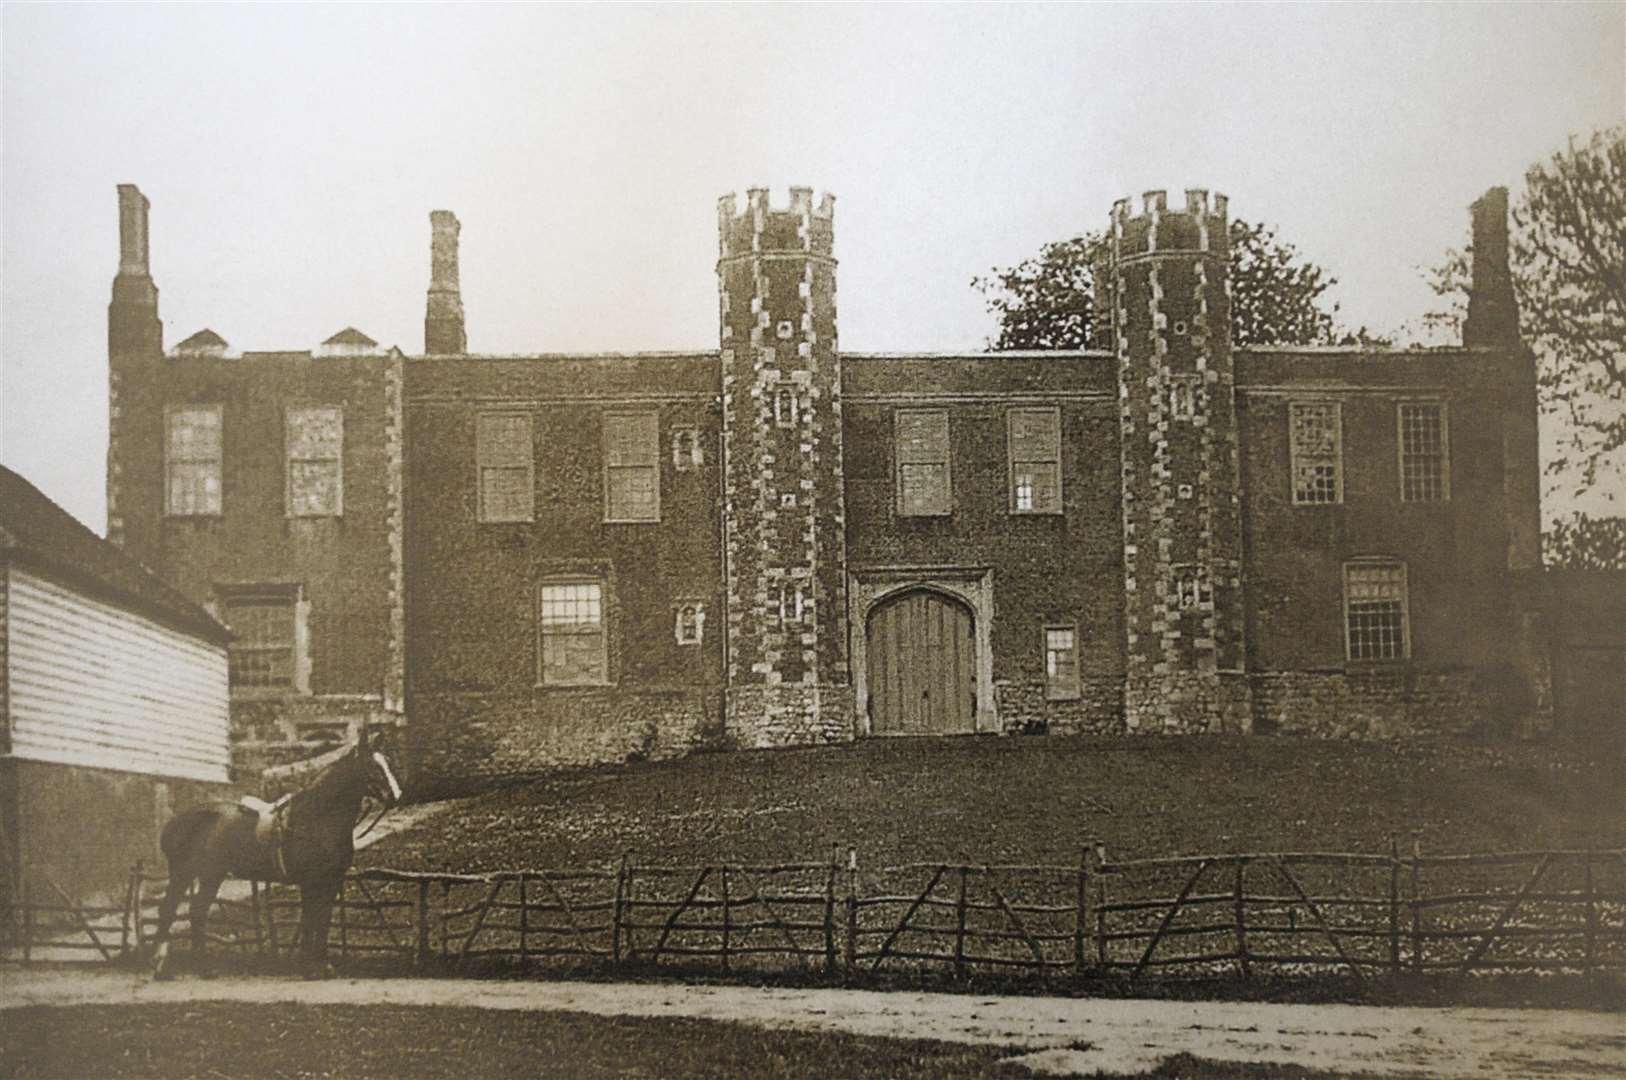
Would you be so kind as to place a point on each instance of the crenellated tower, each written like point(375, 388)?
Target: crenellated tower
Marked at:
point(788, 680)
point(1166, 291)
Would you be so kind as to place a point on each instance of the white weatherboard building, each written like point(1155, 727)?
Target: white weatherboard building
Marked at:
point(113, 703)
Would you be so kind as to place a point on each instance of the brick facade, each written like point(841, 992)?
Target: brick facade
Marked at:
point(729, 523)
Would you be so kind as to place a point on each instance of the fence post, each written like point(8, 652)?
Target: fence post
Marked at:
point(1589, 943)
point(140, 890)
point(1100, 903)
point(28, 925)
point(344, 921)
point(959, 925)
point(1238, 899)
point(723, 874)
point(124, 914)
point(1416, 911)
point(421, 957)
point(445, 918)
point(254, 910)
point(271, 920)
point(616, 910)
point(524, 918)
point(852, 913)
point(1394, 904)
point(830, 911)
point(1082, 923)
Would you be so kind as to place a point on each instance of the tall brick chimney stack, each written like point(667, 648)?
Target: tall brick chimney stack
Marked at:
point(132, 317)
point(1493, 314)
point(443, 331)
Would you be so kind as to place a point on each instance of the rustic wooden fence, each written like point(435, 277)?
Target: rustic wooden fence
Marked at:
point(1290, 913)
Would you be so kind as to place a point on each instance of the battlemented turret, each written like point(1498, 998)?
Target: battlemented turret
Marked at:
point(788, 680)
point(1168, 298)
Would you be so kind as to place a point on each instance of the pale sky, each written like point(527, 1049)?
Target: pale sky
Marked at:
point(292, 155)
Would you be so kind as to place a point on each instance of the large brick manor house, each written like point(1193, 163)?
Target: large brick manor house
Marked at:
point(546, 559)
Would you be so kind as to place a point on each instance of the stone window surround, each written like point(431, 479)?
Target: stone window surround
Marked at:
point(867, 587)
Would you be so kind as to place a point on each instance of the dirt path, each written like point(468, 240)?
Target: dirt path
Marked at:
point(1064, 1036)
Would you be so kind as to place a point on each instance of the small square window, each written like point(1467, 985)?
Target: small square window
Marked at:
point(1183, 397)
point(686, 450)
point(689, 624)
point(1191, 587)
point(786, 407)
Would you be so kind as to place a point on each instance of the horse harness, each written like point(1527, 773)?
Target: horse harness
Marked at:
point(270, 827)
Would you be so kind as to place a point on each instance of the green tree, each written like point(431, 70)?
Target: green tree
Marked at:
point(1277, 296)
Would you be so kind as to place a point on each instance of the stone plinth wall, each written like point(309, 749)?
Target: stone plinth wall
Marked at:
point(1390, 703)
point(1188, 703)
point(462, 741)
point(1024, 710)
point(795, 715)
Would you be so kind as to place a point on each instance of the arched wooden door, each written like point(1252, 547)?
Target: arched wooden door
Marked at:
point(922, 666)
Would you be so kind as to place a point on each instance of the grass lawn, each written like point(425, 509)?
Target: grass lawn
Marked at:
point(1032, 800)
point(286, 1041)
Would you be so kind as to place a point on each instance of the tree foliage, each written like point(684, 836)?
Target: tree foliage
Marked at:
point(1580, 542)
point(1277, 296)
point(1568, 261)
point(1569, 274)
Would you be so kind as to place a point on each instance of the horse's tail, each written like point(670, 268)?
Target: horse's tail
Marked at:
point(182, 830)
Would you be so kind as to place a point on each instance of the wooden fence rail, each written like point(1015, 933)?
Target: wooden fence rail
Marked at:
point(1357, 913)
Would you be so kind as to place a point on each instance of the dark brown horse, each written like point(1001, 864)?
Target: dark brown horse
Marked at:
point(306, 839)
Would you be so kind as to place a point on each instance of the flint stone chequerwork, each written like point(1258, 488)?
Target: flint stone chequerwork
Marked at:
point(1171, 332)
point(784, 521)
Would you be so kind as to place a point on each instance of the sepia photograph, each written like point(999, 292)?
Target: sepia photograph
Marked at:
point(478, 600)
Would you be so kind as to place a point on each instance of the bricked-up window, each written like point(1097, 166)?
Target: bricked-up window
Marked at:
point(923, 477)
point(1317, 449)
point(267, 628)
point(1035, 460)
point(315, 442)
point(1060, 662)
point(632, 474)
point(1375, 614)
point(1425, 466)
point(571, 620)
point(192, 454)
point(506, 460)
